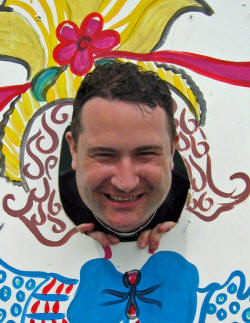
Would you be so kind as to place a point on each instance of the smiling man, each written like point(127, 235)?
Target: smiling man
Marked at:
point(122, 143)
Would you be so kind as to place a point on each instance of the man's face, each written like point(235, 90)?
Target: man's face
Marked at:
point(123, 161)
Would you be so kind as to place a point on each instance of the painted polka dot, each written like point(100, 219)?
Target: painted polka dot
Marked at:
point(221, 298)
point(221, 314)
point(2, 314)
point(17, 282)
point(5, 293)
point(211, 309)
point(246, 315)
point(2, 276)
point(16, 309)
point(20, 296)
point(30, 284)
point(234, 307)
point(232, 288)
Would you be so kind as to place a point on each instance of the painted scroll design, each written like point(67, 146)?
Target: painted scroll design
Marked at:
point(40, 151)
point(168, 279)
point(206, 200)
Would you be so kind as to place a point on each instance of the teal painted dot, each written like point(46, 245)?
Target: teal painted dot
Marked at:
point(246, 315)
point(211, 309)
point(10, 321)
point(234, 307)
point(18, 282)
point(221, 314)
point(232, 288)
point(2, 276)
point(5, 293)
point(16, 309)
point(221, 298)
point(30, 284)
point(2, 314)
point(20, 296)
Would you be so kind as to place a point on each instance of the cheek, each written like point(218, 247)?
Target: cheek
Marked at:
point(93, 175)
point(158, 174)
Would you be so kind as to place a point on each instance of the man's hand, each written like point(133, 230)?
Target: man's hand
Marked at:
point(152, 237)
point(149, 237)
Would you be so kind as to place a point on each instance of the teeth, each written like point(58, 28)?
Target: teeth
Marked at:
point(123, 199)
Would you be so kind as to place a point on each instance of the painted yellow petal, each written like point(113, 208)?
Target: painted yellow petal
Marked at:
point(144, 26)
point(79, 9)
point(19, 40)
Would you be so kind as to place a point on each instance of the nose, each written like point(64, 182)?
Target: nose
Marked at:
point(125, 177)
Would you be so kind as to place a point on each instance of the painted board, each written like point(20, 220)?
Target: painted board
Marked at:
point(51, 273)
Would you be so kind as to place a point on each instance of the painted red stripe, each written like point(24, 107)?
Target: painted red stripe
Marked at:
point(55, 308)
point(7, 93)
point(47, 288)
point(46, 307)
point(236, 73)
point(59, 289)
point(69, 289)
point(35, 307)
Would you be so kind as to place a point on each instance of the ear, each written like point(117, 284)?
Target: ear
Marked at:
point(174, 145)
point(72, 148)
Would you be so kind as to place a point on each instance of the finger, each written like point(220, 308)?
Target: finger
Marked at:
point(100, 237)
point(166, 226)
point(157, 233)
point(142, 240)
point(113, 239)
point(85, 227)
point(104, 239)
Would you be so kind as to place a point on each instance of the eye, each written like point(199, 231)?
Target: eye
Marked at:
point(104, 157)
point(147, 154)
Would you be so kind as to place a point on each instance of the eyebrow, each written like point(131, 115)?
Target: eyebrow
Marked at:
point(149, 147)
point(104, 149)
point(99, 149)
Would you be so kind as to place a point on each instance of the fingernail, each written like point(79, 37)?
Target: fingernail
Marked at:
point(142, 244)
point(151, 251)
point(152, 247)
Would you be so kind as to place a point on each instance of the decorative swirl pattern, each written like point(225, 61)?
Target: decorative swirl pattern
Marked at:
point(40, 168)
point(207, 201)
point(34, 158)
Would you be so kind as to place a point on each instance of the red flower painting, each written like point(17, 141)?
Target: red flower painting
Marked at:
point(79, 46)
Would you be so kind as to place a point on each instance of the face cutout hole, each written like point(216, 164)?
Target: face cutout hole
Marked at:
point(65, 158)
point(79, 213)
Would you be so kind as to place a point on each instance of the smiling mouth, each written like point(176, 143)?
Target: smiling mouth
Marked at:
point(123, 199)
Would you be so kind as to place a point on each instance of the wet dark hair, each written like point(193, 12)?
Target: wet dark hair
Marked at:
point(125, 82)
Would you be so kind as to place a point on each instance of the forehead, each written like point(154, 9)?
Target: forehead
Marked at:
point(100, 114)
